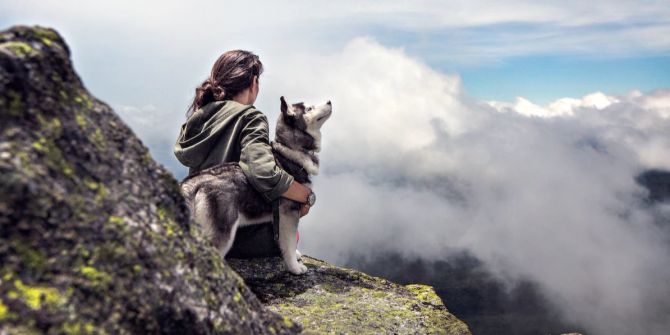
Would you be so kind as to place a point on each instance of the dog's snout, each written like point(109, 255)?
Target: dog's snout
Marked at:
point(328, 103)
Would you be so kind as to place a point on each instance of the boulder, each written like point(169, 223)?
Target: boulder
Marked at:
point(94, 235)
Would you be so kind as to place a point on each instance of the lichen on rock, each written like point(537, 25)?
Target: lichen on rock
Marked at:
point(333, 300)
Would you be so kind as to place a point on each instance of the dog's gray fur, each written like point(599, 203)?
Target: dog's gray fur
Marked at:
point(220, 198)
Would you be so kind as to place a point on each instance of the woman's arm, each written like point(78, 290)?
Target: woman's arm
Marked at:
point(257, 160)
point(258, 164)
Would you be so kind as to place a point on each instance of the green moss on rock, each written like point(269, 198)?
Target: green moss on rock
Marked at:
point(81, 120)
point(334, 300)
point(78, 328)
point(95, 276)
point(53, 157)
point(18, 48)
point(4, 311)
point(45, 34)
point(36, 297)
point(14, 99)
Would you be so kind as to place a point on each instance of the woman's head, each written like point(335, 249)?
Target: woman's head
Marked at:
point(231, 74)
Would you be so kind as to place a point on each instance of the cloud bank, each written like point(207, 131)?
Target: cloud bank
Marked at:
point(411, 164)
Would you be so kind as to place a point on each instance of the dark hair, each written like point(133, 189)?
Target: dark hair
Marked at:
point(232, 73)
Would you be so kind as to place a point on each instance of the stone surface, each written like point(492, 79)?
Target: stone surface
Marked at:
point(330, 299)
point(94, 235)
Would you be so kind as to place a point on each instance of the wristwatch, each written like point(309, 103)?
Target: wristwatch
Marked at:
point(311, 199)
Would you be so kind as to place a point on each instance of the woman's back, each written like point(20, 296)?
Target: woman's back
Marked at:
point(211, 135)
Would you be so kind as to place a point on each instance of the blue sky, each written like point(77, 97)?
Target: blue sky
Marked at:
point(558, 67)
point(546, 78)
point(539, 50)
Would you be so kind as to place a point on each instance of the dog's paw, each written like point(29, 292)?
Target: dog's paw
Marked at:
point(297, 268)
point(298, 255)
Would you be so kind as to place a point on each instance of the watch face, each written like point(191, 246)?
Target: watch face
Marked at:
point(311, 199)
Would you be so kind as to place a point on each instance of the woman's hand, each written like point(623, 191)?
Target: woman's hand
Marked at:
point(297, 192)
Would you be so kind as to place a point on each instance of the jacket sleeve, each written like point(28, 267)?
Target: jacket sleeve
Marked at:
point(258, 162)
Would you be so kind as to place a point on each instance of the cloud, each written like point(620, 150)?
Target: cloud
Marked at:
point(560, 107)
point(469, 32)
point(411, 164)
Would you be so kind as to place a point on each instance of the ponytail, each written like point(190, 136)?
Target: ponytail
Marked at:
point(232, 73)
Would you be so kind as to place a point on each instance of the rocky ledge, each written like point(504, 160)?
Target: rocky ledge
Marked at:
point(95, 237)
point(329, 299)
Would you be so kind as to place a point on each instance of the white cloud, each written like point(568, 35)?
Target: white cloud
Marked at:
point(560, 107)
point(455, 30)
point(155, 128)
point(412, 164)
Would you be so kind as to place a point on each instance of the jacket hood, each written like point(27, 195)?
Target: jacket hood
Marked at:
point(202, 129)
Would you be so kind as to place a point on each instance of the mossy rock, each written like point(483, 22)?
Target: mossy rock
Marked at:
point(94, 235)
point(335, 300)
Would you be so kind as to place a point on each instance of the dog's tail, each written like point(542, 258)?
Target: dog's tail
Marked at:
point(216, 221)
point(188, 191)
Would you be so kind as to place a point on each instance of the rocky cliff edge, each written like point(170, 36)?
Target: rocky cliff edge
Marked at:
point(95, 237)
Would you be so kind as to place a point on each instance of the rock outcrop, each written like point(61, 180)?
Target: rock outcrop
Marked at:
point(95, 236)
point(334, 300)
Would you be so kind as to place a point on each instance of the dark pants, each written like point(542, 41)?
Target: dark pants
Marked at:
point(254, 241)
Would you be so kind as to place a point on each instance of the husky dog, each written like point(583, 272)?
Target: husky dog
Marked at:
point(221, 199)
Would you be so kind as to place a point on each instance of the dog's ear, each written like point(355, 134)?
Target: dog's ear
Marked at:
point(287, 111)
point(284, 105)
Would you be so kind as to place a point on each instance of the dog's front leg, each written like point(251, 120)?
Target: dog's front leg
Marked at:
point(288, 226)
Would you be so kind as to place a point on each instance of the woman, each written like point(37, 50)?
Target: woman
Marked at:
point(223, 126)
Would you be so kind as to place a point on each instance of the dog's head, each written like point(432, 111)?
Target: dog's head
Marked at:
point(307, 119)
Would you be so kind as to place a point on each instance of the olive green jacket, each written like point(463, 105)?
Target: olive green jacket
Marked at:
point(228, 131)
